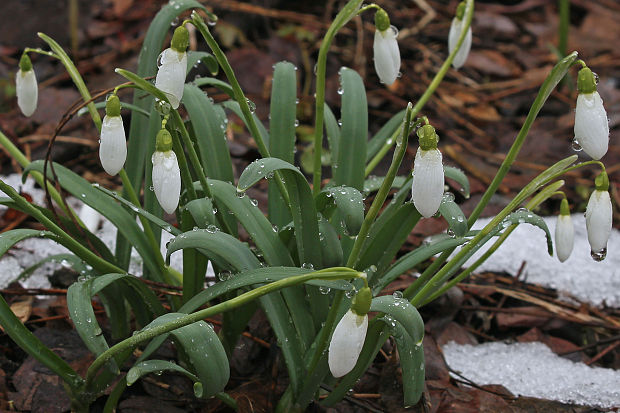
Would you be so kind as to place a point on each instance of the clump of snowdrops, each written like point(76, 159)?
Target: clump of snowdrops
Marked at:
point(318, 263)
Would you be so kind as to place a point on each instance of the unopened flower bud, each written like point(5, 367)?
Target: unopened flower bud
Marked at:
point(166, 173)
point(385, 48)
point(599, 215)
point(112, 143)
point(428, 176)
point(347, 342)
point(26, 87)
point(591, 123)
point(172, 64)
point(564, 233)
point(454, 35)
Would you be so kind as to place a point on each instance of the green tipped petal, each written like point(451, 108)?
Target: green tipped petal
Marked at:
point(180, 39)
point(586, 82)
point(382, 20)
point(113, 106)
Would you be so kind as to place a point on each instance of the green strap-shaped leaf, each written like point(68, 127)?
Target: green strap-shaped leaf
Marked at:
point(330, 244)
point(234, 106)
point(160, 223)
point(10, 238)
point(303, 211)
point(381, 137)
point(348, 201)
point(387, 237)
point(413, 258)
point(217, 83)
point(459, 176)
point(209, 126)
point(223, 248)
point(282, 126)
point(373, 183)
point(411, 355)
point(35, 347)
point(403, 312)
point(195, 58)
point(349, 166)
point(83, 190)
point(333, 133)
point(202, 211)
point(457, 221)
point(204, 351)
point(156, 366)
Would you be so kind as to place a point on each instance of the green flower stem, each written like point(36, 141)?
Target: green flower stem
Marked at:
point(337, 273)
point(534, 202)
point(38, 177)
point(543, 178)
point(382, 152)
point(543, 93)
point(191, 151)
point(75, 76)
point(347, 13)
point(148, 231)
point(41, 51)
point(64, 239)
point(564, 12)
point(227, 400)
point(239, 97)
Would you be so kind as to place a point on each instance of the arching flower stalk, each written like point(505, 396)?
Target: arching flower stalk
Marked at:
point(349, 335)
point(455, 33)
point(599, 217)
point(428, 177)
point(591, 123)
point(166, 173)
point(26, 87)
point(172, 64)
point(112, 142)
point(564, 233)
point(385, 48)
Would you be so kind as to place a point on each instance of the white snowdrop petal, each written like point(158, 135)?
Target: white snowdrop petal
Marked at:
point(27, 91)
point(166, 180)
point(599, 220)
point(347, 342)
point(428, 181)
point(112, 145)
point(453, 39)
point(89, 217)
point(591, 125)
point(170, 77)
point(386, 55)
point(564, 237)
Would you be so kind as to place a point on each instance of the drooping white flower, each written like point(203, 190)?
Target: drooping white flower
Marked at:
point(599, 220)
point(453, 38)
point(90, 217)
point(427, 185)
point(564, 233)
point(172, 64)
point(387, 55)
point(112, 143)
point(347, 342)
point(26, 87)
point(591, 124)
point(385, 48)
point(166, 173)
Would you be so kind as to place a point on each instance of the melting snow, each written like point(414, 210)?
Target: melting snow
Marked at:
point(532, 369)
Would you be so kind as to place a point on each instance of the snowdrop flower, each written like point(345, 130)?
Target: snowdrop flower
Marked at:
point(599, 217)
point(428, 178)
point(385, 47)
point(349, 335)
point(591, 124)
point(89, 217)
point(112, 143)
point(172, 64)
point(26, 86)
point(455, 33)
point(564, 233)
point(166, 173)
